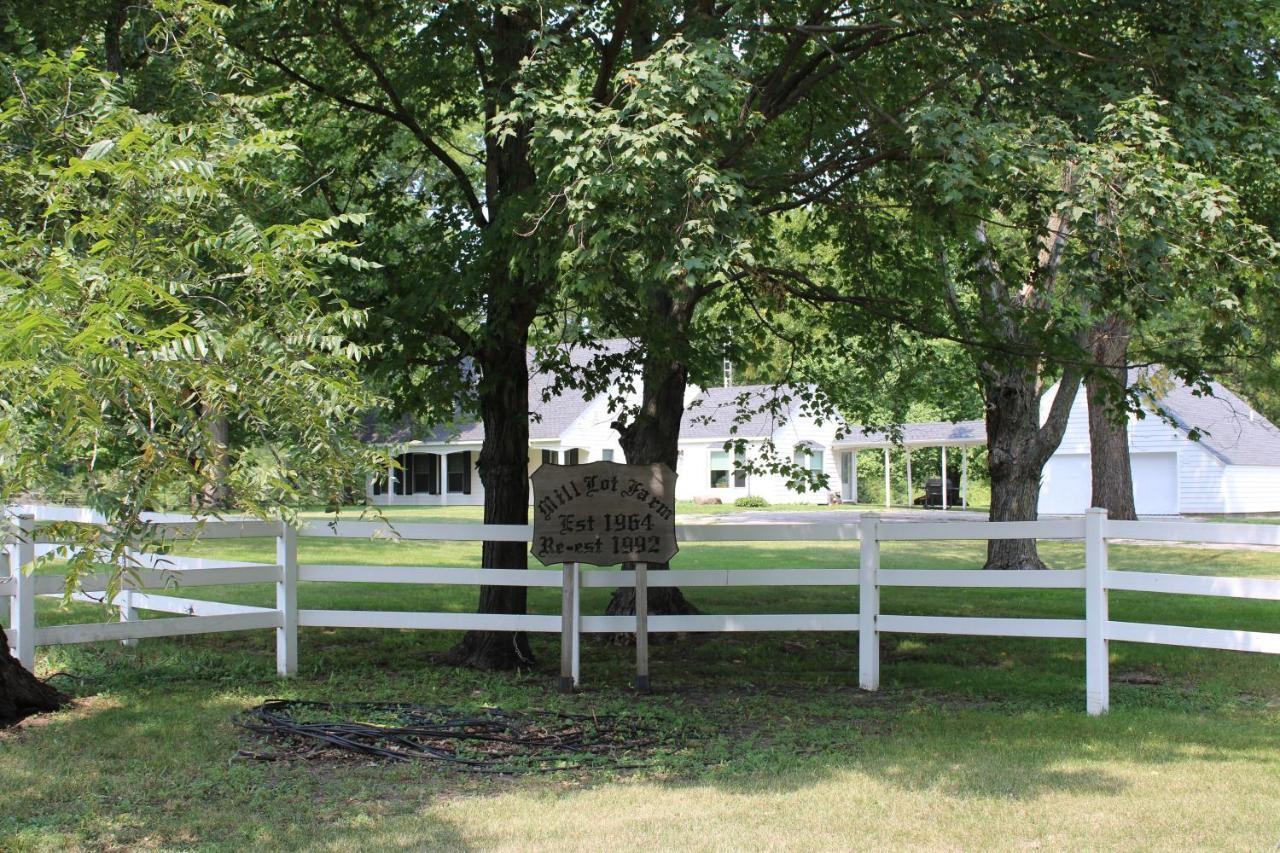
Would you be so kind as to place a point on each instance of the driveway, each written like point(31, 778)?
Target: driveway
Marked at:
point(828, 516)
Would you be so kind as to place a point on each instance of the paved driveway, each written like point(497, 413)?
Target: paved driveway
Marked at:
point(828, 516)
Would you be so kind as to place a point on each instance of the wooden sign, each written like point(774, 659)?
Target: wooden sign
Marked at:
point(604, 513)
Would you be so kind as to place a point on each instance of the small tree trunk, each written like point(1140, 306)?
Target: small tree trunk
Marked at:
point(1110, 466)
point(21, 693)
point(1017, 449)
point(216, 493)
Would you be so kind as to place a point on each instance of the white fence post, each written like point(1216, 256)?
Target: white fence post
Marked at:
point(868, 602)
point(22, 606)
point(287, 600)
point(126, 609)
point(569, 625)
point(1097, 664)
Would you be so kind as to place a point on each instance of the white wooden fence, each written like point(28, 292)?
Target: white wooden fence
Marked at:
point(1096, 580)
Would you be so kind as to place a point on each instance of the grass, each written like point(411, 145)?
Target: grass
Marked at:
point(971, 743)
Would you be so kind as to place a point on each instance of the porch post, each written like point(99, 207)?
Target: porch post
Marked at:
point(964, 477)
point(886, 478)
point(910, 490)
point(944, 476)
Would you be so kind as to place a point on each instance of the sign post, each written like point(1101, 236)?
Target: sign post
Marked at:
point(642, 627)
point(603, 514)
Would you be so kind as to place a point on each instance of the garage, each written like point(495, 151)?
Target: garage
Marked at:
point(1155, 483)
point(1066, 487)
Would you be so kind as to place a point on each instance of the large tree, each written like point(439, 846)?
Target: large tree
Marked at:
point(666, 181)
point(412, 113)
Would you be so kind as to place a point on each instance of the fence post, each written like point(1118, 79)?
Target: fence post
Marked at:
point(22, 606)
point(568, 627)
point(642, 627)
point(1097, 664)
point(287, 600)
point(868, 602)
point(126, 609)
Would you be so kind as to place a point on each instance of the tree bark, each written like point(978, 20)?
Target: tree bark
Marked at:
point(216, 492)
point(1110, 466)
point(1018, 447)
point(653, 435)
point(21, 693)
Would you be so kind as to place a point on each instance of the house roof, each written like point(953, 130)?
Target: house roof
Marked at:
point(548, 419)
point(926, 434)
point(755, 410)
point(1229, 427)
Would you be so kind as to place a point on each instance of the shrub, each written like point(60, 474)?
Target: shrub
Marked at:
point(751, 500)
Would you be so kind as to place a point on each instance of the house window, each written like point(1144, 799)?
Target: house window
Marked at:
point(550, 457)
point(426, 473)
point(458, 473)
point(607, 454)
point(811, 459)
point(571, 457)
point(720, 469)
point(402, 475)
point(739, 474)
point(380, 484)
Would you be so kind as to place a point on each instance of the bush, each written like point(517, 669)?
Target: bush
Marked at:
point(751, 500)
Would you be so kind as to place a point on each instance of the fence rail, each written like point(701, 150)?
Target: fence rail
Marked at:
point(168, 573)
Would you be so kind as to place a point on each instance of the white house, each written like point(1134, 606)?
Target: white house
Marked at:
point(1234, 467)
point(438, 465)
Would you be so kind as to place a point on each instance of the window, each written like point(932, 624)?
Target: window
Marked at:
point(380, 484)
point(607, 454)
point(426, 473)
point(739, 475)
point(402, 474)
point(809, 458)
point(550, 457)
point(719, 469)
point(458, 478)
point(571, 457)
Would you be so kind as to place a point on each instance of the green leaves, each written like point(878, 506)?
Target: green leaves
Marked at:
point(148, 288)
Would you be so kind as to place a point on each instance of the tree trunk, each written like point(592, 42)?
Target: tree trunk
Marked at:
point(501, 357)
point(1017, 449)
point(653, 435)
point(216, 493)
point(1110, 467)
point(21, 693)
point(504, 471)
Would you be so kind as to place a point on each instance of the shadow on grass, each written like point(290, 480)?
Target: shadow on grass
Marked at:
point(149, 755)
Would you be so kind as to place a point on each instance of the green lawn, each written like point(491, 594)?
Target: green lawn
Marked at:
point(971, 743)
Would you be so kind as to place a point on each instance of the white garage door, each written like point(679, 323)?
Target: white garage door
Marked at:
point(1155, 483)
point(1065, 486)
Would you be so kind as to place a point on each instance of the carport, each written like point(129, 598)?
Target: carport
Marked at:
point(943, 435)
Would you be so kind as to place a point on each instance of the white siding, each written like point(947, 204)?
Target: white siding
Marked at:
point(695, 465)
point(1200, 480)
point(1251, 488)
point(1205, 484)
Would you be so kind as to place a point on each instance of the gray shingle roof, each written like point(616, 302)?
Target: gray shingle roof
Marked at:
point(715, 412)
point(1229, 427)
point(548, 419)
point(935, 433)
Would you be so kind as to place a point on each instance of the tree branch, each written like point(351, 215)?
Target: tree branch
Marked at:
point(404, 116)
